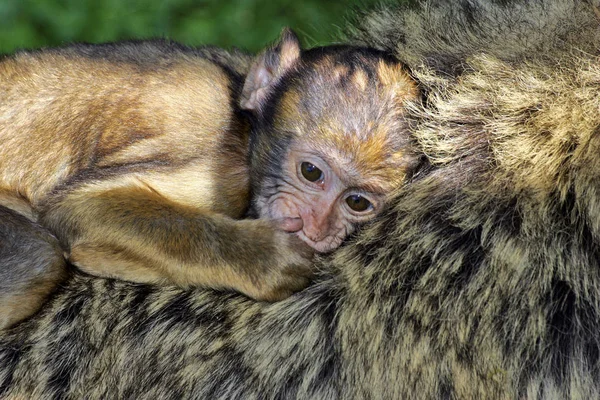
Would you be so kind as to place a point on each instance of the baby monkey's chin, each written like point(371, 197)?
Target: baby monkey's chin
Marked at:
point(324, 246)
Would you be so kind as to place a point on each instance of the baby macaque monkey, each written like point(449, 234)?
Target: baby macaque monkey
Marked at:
point(329, 141)
point(139, 158)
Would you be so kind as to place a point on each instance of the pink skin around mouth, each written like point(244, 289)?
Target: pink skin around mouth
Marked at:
point(291, 224)
point(285, 215)
point(295, 226)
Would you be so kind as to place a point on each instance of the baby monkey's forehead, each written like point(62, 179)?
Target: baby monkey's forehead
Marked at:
point(349, 91)
point(351, 83)
point(352, 110)
point(331, 81)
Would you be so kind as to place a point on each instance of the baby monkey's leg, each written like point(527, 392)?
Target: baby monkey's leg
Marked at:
point(126, 230)
point(31, 265)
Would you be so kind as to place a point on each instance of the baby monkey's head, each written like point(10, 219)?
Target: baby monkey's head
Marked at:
point(329, 139)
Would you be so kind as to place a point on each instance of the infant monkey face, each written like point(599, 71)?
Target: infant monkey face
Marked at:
point(347, 146)
point(318, 200)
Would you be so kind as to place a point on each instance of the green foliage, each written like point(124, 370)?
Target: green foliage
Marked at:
point(249, 24)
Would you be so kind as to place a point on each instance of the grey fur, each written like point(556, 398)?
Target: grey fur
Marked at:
point(482, 281)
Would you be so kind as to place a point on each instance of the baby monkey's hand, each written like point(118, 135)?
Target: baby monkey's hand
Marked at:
point(283, 264)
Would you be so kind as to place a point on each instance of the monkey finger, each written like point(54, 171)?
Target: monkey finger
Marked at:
point(289, 224)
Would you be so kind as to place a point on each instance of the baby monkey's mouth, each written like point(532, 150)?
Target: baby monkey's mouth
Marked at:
point(286, 216)
point(323, 246)
point(295, 225)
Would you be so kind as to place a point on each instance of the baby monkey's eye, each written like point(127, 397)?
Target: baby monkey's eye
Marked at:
point(310, 172)
point(358, 203)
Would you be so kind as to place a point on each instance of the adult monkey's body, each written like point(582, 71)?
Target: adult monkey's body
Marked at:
point(481, 282)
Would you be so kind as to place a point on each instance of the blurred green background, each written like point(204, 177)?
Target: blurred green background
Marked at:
point(248, 24)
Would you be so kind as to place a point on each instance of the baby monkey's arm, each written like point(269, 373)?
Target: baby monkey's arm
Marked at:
point(129, 231)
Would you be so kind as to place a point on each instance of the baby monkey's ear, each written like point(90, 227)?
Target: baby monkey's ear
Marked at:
point(267, 70)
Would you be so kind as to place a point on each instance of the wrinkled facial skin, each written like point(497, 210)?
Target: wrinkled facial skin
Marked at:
point(316, 201)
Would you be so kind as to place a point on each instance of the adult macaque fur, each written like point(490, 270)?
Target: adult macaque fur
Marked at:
point(481, 281)
point(136, 156)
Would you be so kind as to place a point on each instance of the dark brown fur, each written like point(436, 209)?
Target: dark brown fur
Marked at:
point(32, 263)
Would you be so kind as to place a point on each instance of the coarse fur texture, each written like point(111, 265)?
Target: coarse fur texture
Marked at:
point(443, 34)
point(481, 281)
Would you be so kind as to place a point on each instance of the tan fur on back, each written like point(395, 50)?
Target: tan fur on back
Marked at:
point(60, 116)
